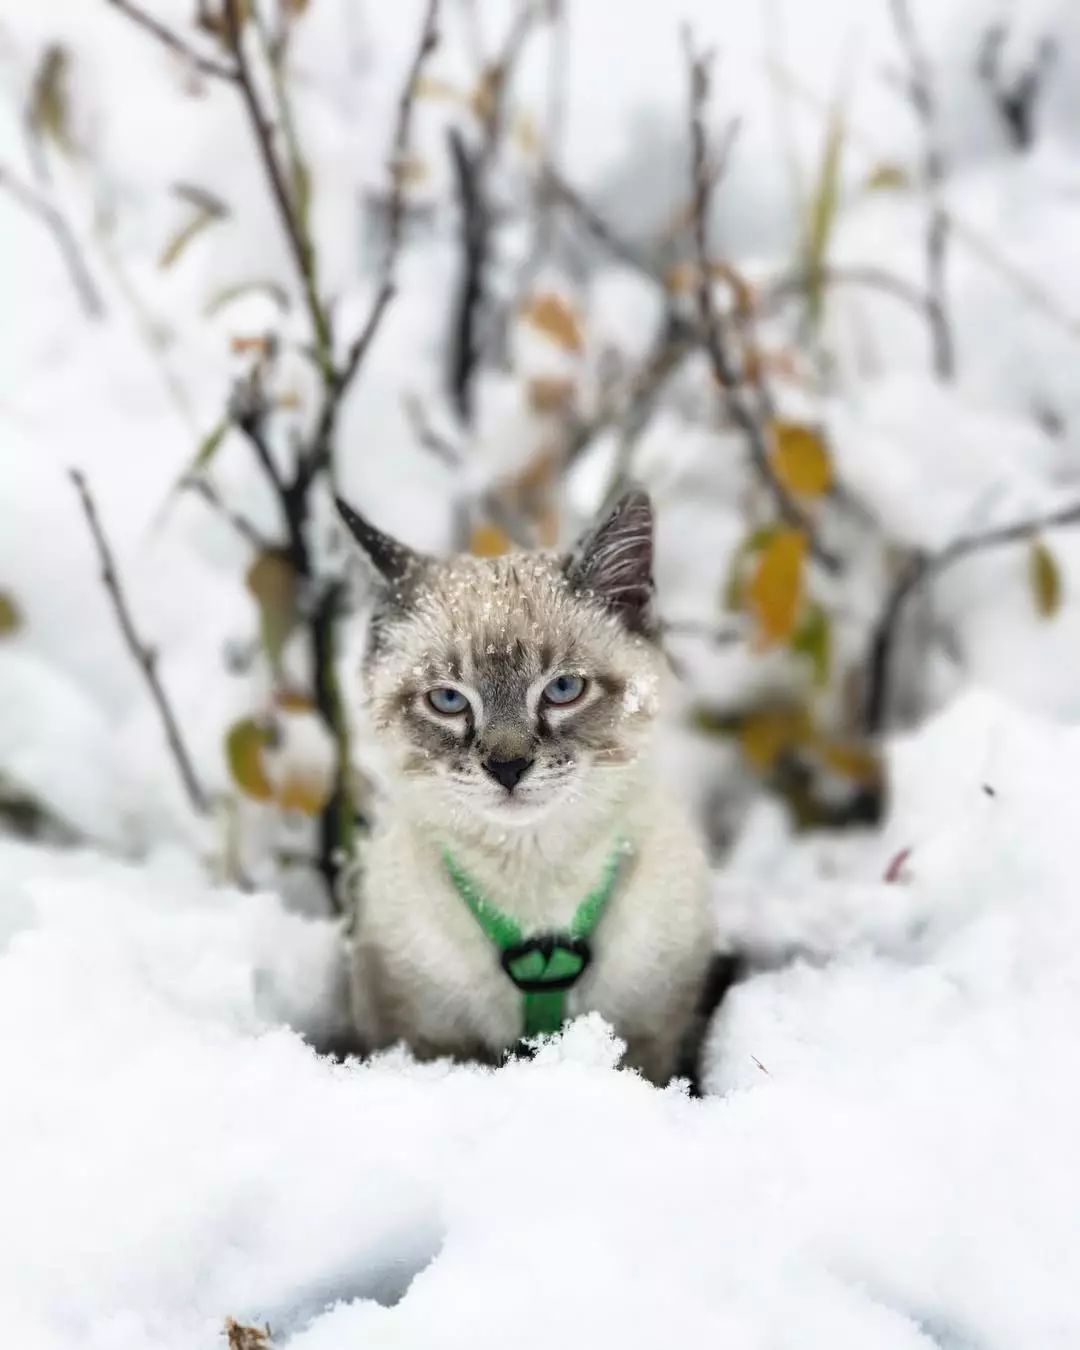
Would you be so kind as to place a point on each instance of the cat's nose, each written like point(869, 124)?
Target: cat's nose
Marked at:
point(508, 772)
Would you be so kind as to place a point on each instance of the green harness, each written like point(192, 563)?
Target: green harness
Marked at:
point(542, 967)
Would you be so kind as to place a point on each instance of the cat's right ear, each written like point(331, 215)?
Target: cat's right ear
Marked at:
point(392, 561)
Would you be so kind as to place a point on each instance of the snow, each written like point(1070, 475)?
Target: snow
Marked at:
point(886, 1152)
point(887, 1159)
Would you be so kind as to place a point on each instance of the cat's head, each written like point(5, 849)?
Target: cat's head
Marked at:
point(509, 688)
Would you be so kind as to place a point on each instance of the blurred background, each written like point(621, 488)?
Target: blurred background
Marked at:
point(808, 272)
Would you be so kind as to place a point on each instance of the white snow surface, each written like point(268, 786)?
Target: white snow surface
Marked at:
point(887, 1157)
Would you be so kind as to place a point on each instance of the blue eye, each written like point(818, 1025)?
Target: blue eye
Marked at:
point(564, 689)
point(449, 702)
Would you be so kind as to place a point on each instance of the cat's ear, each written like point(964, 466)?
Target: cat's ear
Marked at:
point(613, 561)
point(392, 561)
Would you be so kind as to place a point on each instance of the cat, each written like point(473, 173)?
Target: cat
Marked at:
point(515, 699)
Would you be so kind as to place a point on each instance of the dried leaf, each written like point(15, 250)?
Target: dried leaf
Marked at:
point(409, 170)
point(887, 176)
point(554, 317)
point(10, 615)
point(548, 394)
point(244, 744)
point(241, 1337)
point(800, 459)
point(240, 343)
point(489, 541)
point(813, 640)
point(775, 590)
point(294, 700)
point(527, 135)
point(768, 733)
point(272, 580)
point(853, 760)
point(306, 792)
point(49, 110)
point(1045, 579)
point(433, 86)
point(483, 99)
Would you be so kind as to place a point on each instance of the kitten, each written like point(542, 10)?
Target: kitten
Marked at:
point(515, 698)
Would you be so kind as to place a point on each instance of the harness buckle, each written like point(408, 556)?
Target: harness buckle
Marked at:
point(547, 963)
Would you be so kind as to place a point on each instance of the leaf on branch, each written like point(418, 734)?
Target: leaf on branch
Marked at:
point(244, 745)
point(11, 618)
point(489, 541)
point(775, 591)
point(768, 733)
point(735, 585)
point(554, 317)
point(213, 20)
point(306, 792)
point(1045, 577)
point(262, 286)
point(548, 394)
point(800, 459)
point(49, 110)
point(813, 640)
point(824, 204)
point(887, 176)
point(858, 763)
point(190, 230)
point(272, 580)
point(241, 1337)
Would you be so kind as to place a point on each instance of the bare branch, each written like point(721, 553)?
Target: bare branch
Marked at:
point(724, 370)
point(174, 42)
point(299, 242)
point(867, 278)
point(206, 490)
point(555, 186)
point(920, 90)
point(38, 205)
point(145, 657)
point(426, 434)
point(921, 568)
point(1015, 102)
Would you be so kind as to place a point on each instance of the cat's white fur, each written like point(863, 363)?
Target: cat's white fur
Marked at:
point(424, 972)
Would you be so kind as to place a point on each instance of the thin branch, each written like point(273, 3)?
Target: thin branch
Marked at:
point(555, 186)
point(867, 278)
point(145, 657)
point(299, 242)
point(174, 42)
point(53, 220)
point(442, 448)
point(921, 92)
point(205, 489)
point(924, 567)
point(723, 366)
point(1015, 102)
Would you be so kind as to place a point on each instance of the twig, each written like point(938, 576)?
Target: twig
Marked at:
point(1015, 102)
point(174, 42)
point(145, 657)
point(298, 239)
point(921, 568)
point(553, 184)
point(442, 448)
point(723, 367)
point(868, 278)
point(921, 92)
point(206, 490)
point(39, 206)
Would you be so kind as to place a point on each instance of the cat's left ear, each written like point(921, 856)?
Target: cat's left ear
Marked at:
point(614, 561)
point(392, 561)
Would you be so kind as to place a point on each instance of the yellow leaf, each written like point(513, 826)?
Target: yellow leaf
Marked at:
point(431, 86)
point(734, 598)
point(10, 615)
point(766, 734)
point(244, 744)
point(489, 541)
point(554, 317)
point(775, 591)
point(1045, 579)
point(304, 792)
point(548, 394)
point(888, 177)
point(800, 460)
point(851, 760)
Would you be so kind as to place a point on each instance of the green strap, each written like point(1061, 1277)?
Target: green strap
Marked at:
point(544, 1010)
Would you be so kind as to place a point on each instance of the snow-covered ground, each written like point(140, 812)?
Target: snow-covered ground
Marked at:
point(886, 1156)
point(889, 1160)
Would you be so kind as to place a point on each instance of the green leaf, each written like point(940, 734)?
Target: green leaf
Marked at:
point(272, 580)
point(1045, 579)
point(10, 615)
point(824, 203)
point(813, 640)
point(187, 232)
